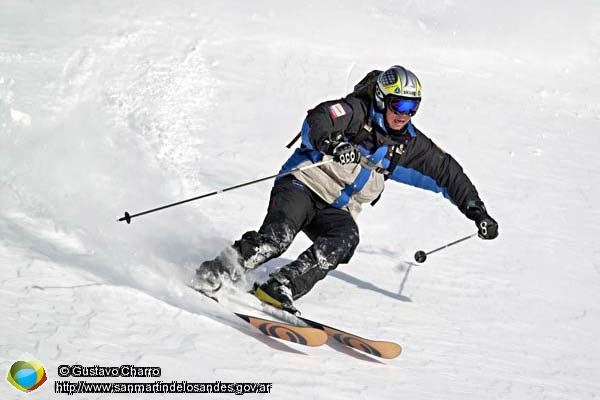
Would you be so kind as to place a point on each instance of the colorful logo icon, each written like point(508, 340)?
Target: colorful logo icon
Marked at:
point(26, 376)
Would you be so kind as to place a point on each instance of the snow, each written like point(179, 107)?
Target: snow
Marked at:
point(114, 106)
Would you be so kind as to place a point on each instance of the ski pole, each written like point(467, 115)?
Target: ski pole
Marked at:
point(127, 218)
point(421, 256)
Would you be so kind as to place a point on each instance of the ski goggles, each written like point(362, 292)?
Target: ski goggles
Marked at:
point(404, 105)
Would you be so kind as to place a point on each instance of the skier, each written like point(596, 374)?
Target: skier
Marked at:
point(370, 136)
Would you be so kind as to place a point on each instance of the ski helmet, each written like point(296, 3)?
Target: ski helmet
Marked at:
point(396, 82)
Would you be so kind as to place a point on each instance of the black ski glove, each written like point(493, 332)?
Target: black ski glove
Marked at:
point(486, 225)
point(346, 153)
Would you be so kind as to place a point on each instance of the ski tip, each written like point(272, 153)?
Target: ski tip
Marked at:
point(390, 350)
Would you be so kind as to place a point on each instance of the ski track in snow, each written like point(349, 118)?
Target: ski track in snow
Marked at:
point(113, 107)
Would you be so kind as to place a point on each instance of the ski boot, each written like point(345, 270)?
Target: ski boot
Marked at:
point(276, 293)
point(209, 277)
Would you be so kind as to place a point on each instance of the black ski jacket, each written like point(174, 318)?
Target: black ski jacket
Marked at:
point(408, 156)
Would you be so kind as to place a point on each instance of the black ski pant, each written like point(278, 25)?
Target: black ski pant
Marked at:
point(293, 208)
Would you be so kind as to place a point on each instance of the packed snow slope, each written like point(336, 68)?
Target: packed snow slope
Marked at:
point(128, 105)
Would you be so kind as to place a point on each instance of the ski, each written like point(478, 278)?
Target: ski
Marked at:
point(378, 348)
point(304, 335)
point(304, 331)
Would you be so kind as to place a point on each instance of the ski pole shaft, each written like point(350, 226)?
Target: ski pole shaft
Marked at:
point(294, 140)
point(128, 217)
point(453, 243)
point(421, 256)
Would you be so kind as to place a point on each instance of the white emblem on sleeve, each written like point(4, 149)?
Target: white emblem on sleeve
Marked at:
point(337, 110)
